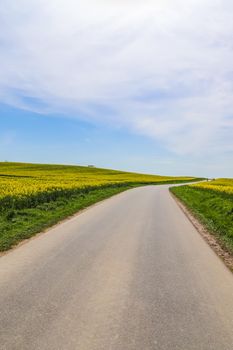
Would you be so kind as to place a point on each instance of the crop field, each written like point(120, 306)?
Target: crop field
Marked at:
point(212, 203)
point(219, 185)
point(35, 196)
point(25, 185)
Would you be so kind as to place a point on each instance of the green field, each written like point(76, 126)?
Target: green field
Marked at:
point(212, 203)
point(36, 196)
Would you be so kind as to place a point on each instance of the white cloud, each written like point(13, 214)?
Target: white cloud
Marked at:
point(160, 68)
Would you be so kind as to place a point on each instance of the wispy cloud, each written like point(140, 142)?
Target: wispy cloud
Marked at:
point(159, 68)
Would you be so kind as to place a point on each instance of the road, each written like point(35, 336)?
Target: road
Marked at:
point(130, 273)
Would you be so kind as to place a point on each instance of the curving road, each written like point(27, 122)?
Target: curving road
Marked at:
point(130, 273)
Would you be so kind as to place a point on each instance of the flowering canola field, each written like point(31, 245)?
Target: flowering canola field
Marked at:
point(26, 185)
point(219, 185)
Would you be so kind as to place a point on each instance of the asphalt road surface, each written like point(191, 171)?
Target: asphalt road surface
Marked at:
point(129, 273)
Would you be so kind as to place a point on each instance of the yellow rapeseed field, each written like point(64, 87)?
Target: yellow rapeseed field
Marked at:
point(32, 183)
point(220, 185)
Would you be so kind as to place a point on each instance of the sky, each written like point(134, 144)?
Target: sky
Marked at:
point(135, 85)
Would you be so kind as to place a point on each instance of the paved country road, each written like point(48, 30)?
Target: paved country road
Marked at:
point(128, 273)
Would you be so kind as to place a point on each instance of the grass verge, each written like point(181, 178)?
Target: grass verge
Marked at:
point(213, 209)
point(17, 225)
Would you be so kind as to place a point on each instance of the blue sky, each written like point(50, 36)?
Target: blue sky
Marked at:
point(142, 86)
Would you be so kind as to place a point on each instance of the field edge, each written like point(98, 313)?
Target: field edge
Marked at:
point(213, 239)
point(47, 215)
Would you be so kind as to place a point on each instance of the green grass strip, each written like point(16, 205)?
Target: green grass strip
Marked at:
point(213, 209)
point(23, 219)
point(17, 225)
